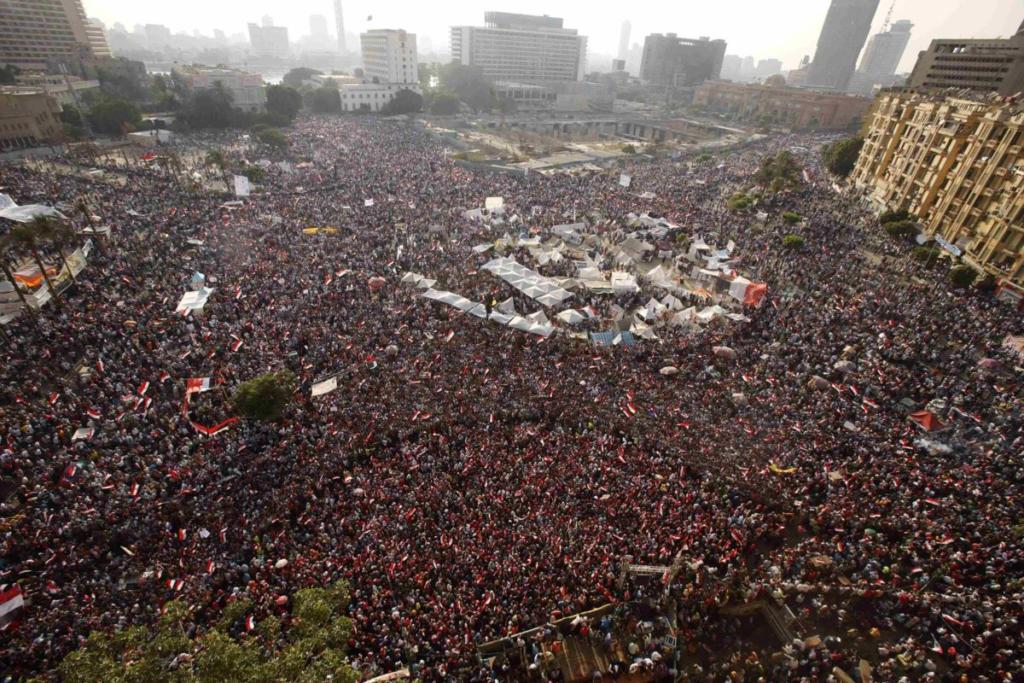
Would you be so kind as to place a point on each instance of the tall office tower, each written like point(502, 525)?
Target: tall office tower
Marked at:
point(267, 21)
point(627, 28)
point(842, 38)
point(881, 57)
point(390, 56)
point(521, 48)
point(34, 34)
point(318, 26)
point(269, 41)
point(672, 61)
point(983, 64)
point(339, 25)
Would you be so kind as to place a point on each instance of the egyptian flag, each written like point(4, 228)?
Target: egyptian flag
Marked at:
point(12, 602)
point(143, 388)
point(236, 345)
point(250, 623)
point(164, 376)
point(197, 385)
point(94, 413)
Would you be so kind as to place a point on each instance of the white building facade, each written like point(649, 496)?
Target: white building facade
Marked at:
point(389, 56)
point(521, 49)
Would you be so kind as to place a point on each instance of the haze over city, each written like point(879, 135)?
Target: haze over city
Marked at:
point(536, 342)
point(782, 30)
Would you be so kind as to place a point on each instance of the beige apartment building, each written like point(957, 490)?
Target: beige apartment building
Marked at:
point(28, 117)
point(954, 160)
point(37, 33)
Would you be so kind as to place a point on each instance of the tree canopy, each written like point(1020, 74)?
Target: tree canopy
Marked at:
point(840, 157)
point(310, 648)
point(295, 77)
point(284, 101)
point(114, 117)
point(265, 397)
point(211, 108)
point(469, 84)
point(405, 102)
point(324, 100)
point(779, 172)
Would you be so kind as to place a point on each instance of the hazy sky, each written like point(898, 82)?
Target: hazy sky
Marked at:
point(784, 29)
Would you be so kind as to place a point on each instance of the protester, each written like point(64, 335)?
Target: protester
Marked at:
point(473, 481)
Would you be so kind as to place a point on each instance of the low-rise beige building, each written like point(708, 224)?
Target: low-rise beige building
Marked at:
point(955, 161)
point(28, 117)
point(797, 108)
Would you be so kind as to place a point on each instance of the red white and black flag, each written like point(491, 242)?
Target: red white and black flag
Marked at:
point(12, 602)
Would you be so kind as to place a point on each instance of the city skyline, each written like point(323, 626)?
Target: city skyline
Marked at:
point(764, 33)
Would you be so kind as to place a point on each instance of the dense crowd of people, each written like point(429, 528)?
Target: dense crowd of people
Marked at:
point(472, 481)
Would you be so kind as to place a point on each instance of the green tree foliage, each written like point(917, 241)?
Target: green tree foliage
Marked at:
point(9, 74)
point(114, 117)
point(74, 126)
point(739, 201)
point(120, 81)
point(840, 156)
point(901, 229)
point(929, 256)
point(211, 108)
point(273, 137)
point(324, 100)
point(779, 172)
point(894, 216)
point(405, 102)
point(310, 649)
point(962, 275)
point(266, 397)
point(161, 93)
point(791, 217)
point(283, 101)
point(295, 77)
point(793, 242)
point(444, 104)
point(469, 84)
point(255, 174)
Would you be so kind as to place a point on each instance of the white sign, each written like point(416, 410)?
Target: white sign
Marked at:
point(625, 180)
point(242, 186)
point(325, 387)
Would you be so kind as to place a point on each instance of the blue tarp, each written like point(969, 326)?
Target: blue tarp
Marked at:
point(609, 338)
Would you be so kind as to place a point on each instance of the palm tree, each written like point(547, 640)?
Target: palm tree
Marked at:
point(4, 246)
point(26, 235)
point(82, 207)
point(60, 234)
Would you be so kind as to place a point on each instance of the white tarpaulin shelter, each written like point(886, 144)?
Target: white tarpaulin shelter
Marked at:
point(530, 283)
point(325, 387)
point(6, 202)
point(242, 187)
point(571, 316)
point(193, 301)
point(23, 214)
point(537, 323)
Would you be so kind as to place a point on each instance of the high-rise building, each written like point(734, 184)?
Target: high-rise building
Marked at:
point(318, 26)
point(389, 56)
point(521, 48)
point(158, 36)
point(766, 68)
point(842, 38)
point(339, 26)
point(269, 41)
point(627, 29)
point(881, 58)
point(36, 34)
point(956, 163)
point(267, 21)
point(28, 117)
point(672, 61)
point(985, 65)
point(731, 68)
point(97, 34)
